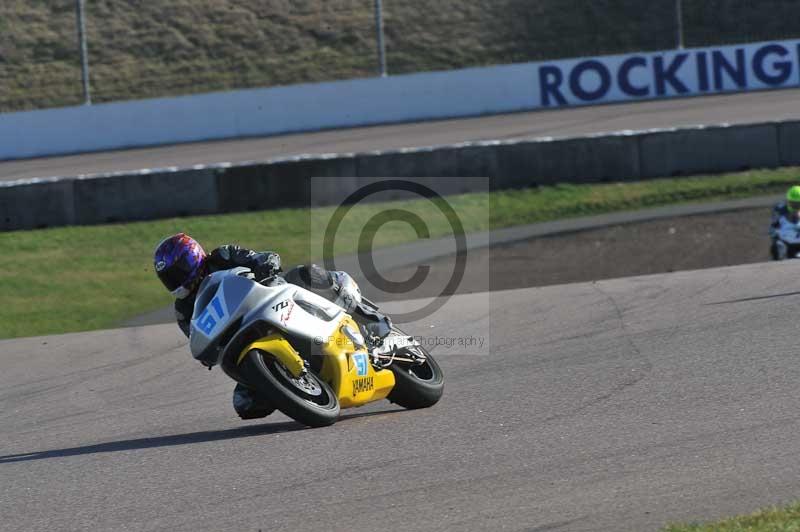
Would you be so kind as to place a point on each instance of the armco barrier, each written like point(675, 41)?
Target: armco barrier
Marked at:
point(479, 159)
point(709, 149)
point(789, 143)
point(276, 184)
point(42, 203)
point(578, 160)
point(285, 183)
point(145, 196)
point(423, 162)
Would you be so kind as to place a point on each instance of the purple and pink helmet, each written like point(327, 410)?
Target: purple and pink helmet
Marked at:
point(180, 264)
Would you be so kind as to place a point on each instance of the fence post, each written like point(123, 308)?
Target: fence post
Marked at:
point(381, 44)
point(87, 95)
point(679, 23)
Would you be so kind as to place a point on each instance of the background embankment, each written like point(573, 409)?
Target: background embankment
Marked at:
point(147, 49)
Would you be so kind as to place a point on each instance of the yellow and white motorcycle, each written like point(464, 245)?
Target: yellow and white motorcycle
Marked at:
point(304, 353)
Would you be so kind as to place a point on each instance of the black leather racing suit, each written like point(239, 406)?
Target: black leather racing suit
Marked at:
point(263, 265)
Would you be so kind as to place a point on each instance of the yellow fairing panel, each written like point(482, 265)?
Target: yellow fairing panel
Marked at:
point(276, 345)
point(347, 369)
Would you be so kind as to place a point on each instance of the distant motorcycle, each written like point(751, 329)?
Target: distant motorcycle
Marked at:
point(304, 353)
point(785, 242)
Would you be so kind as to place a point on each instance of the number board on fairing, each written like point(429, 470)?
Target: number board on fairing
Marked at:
point(360, 360)
point(211, 316)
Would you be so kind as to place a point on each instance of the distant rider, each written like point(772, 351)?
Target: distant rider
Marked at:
point(181, 264)
point(786, 217)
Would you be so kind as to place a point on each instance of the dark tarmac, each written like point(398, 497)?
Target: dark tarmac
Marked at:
point(609, 406)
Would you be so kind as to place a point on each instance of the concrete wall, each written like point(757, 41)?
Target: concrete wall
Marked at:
point(270, 111)
point(285, 183)
point(424, 96)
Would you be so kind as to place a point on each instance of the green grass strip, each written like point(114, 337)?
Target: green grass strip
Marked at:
point(785, 519)
point(82, 278)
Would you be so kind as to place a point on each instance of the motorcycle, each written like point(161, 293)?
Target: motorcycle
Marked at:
point(785, 242)
point(304, 353)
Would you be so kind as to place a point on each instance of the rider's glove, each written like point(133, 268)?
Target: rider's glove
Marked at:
point(266, 266)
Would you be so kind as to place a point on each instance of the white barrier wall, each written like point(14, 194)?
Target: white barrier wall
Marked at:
point(266, 111)
point(415, 97)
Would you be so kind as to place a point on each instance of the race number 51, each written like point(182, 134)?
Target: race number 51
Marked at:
point(207, 320)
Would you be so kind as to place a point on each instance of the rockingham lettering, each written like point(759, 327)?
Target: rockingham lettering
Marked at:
point(550, 79)
point(783, 68)
point(667, 74)
point(624, 77)
point(735, 72)
point(702, 71)
point(670, 73)
point(600, 70)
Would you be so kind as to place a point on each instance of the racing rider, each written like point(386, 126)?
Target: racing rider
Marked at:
point(181, 264)
point(785, 216)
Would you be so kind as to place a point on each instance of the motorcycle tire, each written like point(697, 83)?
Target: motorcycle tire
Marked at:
point(308, 400)
point(416, 386)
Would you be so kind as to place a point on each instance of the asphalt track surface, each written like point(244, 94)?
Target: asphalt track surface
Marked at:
point(736, 108)
point(615, 405)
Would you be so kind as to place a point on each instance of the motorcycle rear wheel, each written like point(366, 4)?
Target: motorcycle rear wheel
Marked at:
point(308, 399)
point(416, 385)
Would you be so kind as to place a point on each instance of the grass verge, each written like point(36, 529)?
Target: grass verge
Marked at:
point(785, 519)
point(81, 278)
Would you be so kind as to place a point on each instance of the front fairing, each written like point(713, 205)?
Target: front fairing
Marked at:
point(789, 232)
point(228, 303)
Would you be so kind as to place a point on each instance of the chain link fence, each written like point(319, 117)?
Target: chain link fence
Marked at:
point(139, 49)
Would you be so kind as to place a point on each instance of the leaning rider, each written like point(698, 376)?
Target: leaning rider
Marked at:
point(785, 215)
point(181, 264)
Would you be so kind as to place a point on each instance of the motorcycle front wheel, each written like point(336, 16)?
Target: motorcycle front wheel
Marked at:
point(416, 385)
point(306, 399)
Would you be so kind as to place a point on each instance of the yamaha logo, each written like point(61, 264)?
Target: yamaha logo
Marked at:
point(160, 265)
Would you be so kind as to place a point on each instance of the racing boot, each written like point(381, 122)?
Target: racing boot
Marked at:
point(249, 405)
